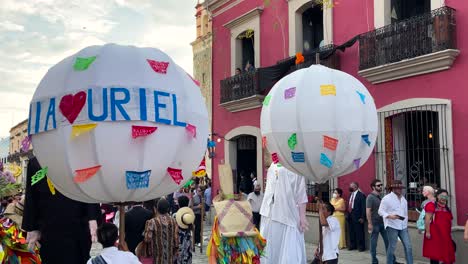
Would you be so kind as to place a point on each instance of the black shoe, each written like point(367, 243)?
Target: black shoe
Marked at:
point(396, 262)
point(351, 249)
point(362, 250)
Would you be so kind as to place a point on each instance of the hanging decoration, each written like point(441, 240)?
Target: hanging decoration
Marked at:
point(26, 144)
point(299, 58)
point(41, 174)
point(51, 186)
point(176, 175)
point(137, 103)
point(328, 129)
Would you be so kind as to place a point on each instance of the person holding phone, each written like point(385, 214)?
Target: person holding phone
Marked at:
point(394, 210)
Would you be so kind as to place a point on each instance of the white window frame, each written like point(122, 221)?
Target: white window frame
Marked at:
point(249, 20)
point(416, 102)
point(295, 10)
point(382, 11)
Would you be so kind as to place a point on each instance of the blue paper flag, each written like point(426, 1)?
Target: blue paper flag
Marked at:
point(137, 179)
point(298, 156)
point(365, 138)
point(325, 161)
point(362, 96)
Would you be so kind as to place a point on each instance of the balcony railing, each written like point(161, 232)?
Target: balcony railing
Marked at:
point(410, 38)
point(239, 86)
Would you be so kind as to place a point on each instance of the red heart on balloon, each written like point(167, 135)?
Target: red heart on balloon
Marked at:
point(71, 105)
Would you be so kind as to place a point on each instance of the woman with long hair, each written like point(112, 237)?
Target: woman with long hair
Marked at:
point(340, 208)
point(438, 244)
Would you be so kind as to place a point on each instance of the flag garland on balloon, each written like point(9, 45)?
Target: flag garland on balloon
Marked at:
point(326, 129)
point(126, 135)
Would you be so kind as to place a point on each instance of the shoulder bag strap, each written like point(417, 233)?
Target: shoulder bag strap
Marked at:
point(98, 260)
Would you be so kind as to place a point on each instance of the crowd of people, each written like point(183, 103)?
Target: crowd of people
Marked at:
point(168, 229)
point(387, 216)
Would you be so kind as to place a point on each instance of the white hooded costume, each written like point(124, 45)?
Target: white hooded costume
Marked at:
point(283, 217)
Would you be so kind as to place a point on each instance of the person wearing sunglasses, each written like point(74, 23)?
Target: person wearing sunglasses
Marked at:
point(438, 244)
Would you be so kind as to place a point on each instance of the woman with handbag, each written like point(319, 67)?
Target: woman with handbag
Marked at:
point(161, 235)
point(438, 244)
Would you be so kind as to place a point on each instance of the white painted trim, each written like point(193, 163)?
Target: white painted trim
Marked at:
point(249, 20)
point(433, 62)
point(243, 104)
point(295, 10)
point(415, 102)
point(230, 147)
point(383, 12)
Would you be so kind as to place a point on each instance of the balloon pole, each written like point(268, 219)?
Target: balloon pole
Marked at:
point(202, 222)
point(320, 227)
point(121, 223)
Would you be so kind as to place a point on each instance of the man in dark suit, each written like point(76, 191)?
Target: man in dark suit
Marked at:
point(356, 217)
point(63, 227)
point(135, 221)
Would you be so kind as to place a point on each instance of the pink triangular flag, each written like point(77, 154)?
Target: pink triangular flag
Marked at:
point(192, 130)
point(159, 66)
point(142, 131)
point(176, 175)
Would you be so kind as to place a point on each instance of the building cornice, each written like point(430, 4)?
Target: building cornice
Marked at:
point(243, 18)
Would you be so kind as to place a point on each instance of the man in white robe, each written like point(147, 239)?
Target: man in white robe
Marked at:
point(283, 217)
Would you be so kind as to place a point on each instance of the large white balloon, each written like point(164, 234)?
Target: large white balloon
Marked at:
point(319, 122)
point(132, 111)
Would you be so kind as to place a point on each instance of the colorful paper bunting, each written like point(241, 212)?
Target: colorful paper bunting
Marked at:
point(365, 138)
point(82, 64)
point(51, 186)
point(83, 175)
point(137, 179)
point(176, 175)
point(26, 143)
point(159, 66)
point(71, 105)
point(298, 156)
point(325, 161)
point(142, 131)
point(264, 142)
point(192, 130)
point(357, 163)
point(289, 93)
point(330, 143)
point(275, 158)
point(77, 130)
point(188, 184)
point(292, 141)
point(266, 101)
point(327, 89)
point(362, 97)
point(39, 176)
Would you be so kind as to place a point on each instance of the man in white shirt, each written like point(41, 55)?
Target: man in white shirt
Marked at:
point(331, 232)
point(107, 235)
point(394, 210)
point(255, 199)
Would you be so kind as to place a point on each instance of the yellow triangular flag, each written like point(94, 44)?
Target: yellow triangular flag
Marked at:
point(51, 186)
point(77, 130)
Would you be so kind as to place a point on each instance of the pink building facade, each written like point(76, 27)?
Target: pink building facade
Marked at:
point(414, 65)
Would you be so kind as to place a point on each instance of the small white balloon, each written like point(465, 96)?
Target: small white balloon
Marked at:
point(320, 123)
point(118, 123)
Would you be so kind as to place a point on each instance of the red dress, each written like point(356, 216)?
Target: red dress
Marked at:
point(440, 247)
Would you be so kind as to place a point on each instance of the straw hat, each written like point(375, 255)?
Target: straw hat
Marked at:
point(185, 217)
point(14, 211)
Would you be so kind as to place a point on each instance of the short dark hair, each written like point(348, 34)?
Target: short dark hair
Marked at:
point(107, 234)
point(183, 201)
point(339, 191)
point(148, 205)
point(374, 182)
point(355, 183)
point(329, 207)
point(163, 206)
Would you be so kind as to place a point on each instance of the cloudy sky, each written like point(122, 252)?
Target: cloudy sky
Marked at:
point(36, 34)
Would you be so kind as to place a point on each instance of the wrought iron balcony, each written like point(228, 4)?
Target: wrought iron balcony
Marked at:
point(239, 86)
point(417, 36)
